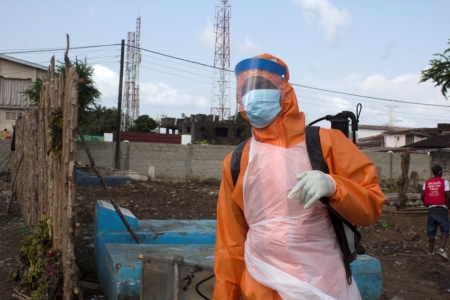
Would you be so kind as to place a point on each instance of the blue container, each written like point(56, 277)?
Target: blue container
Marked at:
point(124, 269)
point(119, 269)
point(109, 229)
point(366, 271)
point(83, 180)
point(121, 278)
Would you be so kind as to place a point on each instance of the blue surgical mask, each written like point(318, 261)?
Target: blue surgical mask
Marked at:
point(262, 106)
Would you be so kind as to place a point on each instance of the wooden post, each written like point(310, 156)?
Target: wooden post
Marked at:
point(46, 184)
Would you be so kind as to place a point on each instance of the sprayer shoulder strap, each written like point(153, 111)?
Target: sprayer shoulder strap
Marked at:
point(312, 138)
point(236, 161)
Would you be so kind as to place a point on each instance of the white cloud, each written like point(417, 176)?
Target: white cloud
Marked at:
point(162, 96)
point(331, 20)
point(207, 36)
point(373, 82)
point(248, 46)
point(107, 82)
point(401, 89)
point(153, 96)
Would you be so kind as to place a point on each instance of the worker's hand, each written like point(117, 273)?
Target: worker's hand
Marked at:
point(312, 185)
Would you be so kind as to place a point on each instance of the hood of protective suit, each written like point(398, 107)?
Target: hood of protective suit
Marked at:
point(289, 126)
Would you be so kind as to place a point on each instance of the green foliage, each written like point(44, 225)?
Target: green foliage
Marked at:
point(391, 185)
point(88, 94)
point(143, 124)
point(439, 72)
point(41, 266)
point(34, 92)
point(239, 118)
point(99, 120)
point(55, 126)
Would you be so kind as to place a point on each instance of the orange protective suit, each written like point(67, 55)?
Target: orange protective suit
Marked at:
point(358, 198)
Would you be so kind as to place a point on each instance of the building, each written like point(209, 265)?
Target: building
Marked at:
point(400, 138)
point(16, 76)
point(208, 129)
point(366, 131)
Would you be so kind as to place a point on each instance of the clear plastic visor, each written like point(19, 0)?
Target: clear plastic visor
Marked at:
point(255, 79)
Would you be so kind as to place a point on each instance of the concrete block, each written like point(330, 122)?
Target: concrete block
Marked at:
point(107, 137)
point(151, 172)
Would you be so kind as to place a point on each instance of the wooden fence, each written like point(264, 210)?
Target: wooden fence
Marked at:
point(44, 183)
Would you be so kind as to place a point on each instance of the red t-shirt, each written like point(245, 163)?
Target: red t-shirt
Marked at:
point(435, 191)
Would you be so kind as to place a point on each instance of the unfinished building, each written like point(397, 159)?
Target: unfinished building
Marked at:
point(208, 129)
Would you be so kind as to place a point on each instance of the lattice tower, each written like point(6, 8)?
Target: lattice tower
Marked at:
point(391, 118)
point(130, 99)
point(220, 99)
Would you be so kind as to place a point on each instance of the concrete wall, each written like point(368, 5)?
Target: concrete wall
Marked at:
point(388, 164)
point(205, 161)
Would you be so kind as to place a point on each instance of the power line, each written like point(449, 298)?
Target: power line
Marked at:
point(210, 66)
point(368, 97)
point(57, 49)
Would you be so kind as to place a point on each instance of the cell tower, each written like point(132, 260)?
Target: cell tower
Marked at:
point(130, 103)
point(391, 118)
point(220, 99)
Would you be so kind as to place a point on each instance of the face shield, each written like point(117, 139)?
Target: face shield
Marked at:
point(260, 89)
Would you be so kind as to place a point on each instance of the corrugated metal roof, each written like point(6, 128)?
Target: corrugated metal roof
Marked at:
point(437, 141)
point(383, 127)
point(23, 62)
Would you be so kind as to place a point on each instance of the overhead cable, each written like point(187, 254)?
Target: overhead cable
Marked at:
point(210, 66)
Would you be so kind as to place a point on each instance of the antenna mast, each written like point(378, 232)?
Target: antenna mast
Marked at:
point(391, 118)
point(130, 103)
point(220, 99)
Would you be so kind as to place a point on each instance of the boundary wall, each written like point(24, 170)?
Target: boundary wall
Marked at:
point(205, 161)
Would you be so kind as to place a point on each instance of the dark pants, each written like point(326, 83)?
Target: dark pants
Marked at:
point(437, 216)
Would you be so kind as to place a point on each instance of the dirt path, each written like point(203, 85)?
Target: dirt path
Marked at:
point(401, 246)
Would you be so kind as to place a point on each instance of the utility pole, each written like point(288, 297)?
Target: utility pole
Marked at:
point(119, 108)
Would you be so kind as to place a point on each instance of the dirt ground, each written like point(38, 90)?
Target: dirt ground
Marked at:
point(401, 246)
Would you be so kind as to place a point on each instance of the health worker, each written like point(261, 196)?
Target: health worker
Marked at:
point(271, 244)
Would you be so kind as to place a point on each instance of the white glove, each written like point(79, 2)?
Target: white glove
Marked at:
point(313, 185)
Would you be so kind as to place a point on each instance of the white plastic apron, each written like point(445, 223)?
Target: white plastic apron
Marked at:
point(289, 249)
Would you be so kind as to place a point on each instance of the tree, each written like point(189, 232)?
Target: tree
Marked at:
point(439, 72)
point(34, 92)
point(88, 94)
point(239, 118)
point(100, 120)
point(143, 124)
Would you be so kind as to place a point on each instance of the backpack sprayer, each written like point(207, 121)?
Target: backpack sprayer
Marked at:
point(341, 121)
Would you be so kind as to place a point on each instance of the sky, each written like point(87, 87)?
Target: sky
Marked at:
point(369, 48)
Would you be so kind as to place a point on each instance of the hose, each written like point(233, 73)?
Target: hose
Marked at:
point(202, 281)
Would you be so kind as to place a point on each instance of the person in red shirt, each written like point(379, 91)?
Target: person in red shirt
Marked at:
point(436, 196)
